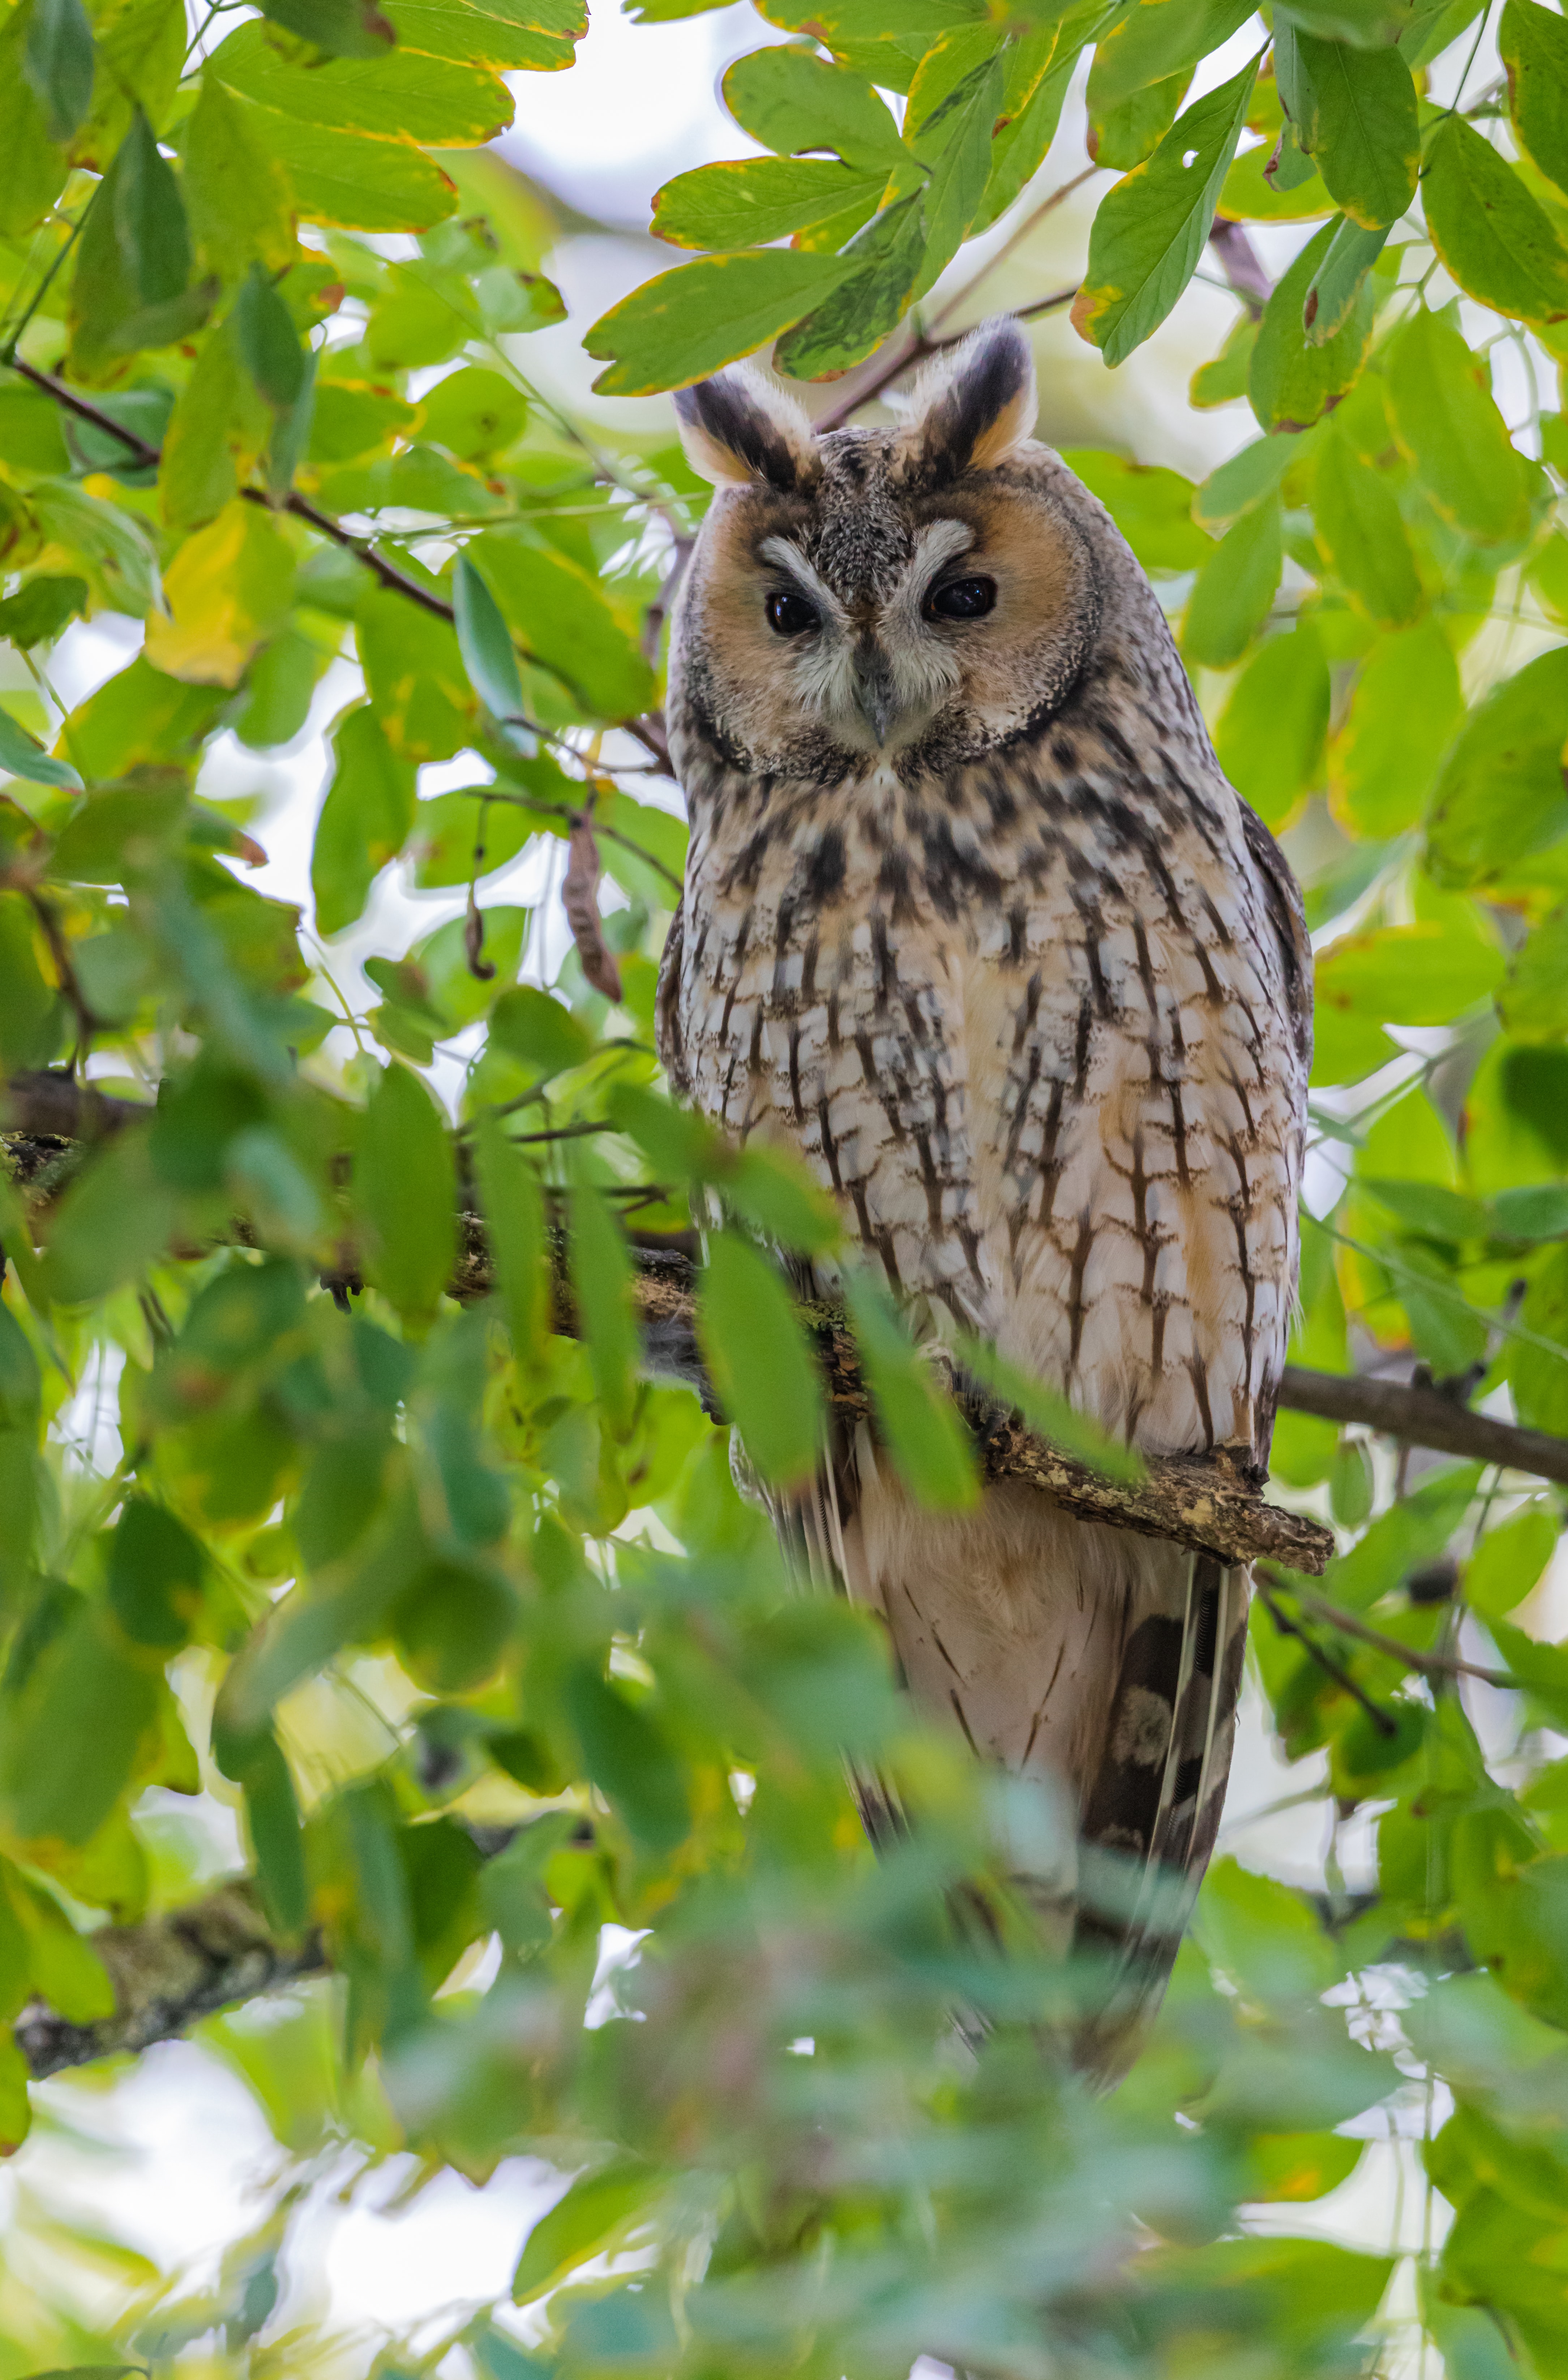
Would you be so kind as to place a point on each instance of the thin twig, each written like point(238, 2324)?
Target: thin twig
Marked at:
point(916, 349)
point(1326, 1661)
point(917, 344)
point(648, 731)
point(1431, 1665)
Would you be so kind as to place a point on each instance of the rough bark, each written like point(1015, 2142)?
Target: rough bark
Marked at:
point(167, 1974)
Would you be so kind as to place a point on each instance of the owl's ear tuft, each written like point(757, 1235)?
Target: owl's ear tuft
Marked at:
point(741, 429)
point(971, 408)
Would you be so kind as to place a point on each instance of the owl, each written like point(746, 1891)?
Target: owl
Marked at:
point(973, 922)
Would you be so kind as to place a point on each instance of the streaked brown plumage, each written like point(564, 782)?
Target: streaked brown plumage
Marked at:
point(973, 921)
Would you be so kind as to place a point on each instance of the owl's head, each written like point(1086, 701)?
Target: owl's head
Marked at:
point(919, 594)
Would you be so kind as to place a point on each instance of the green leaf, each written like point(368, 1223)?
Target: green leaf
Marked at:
point(1533, 44)
point(1292, 381)
point(472, 412)
point(267, 341)
point(277, 1841)
point(16, 2118)
point(1403, 1540)
point(393, 94)
point(1509, 1562)
point(57, 62)
point(692, 322)
point(350, 417)
point(1534, 1001)
point(514, 1212)
point(364, 820)
point(23, 757)
point(1396, 975)
point(1538, 1377)
point(924, 1434)
point(405, 1194)
point(357, 180)
point(601, 1272)
point(1447, 421)
point(1494, 238)
point(1366, 139)
point(591, 2218)
point(757, 200)
point(1340, 279)
point(148, 216)
point(1223, 379)
point(1150, 505)
point(789, 99)
point(534, 35)
point(884, 267)
point(349, 29)
point(1047, 1411)
point(460, 836)
point(1159, 40)
point(485, 642)
point(541, 1031)
point(88, 1691)
point(113, 1220)
point(415, 677)
point(67, 1971)
point(1359, 527)
point(760, 1361)
point(1501, 797)
point(1269, 738)
point(953, 142)
point(129, 288)
point(35, 168)
point(560, 614)
point(1250, 478)
point(1149, 230)
point(1234, 590)
point(156, 1570)
point(1404, 708)
point(627, 1757)
point(1123, 135)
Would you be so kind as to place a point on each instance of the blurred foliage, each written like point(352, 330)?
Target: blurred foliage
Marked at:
point(464, 1620)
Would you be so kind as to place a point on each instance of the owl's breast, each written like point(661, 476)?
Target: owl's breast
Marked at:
point(1051, 1076)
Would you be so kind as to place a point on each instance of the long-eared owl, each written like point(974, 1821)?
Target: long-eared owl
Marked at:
point(973, 921)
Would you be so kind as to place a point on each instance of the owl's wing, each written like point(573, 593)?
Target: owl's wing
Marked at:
point(1153, 1811)
point(667, 1006)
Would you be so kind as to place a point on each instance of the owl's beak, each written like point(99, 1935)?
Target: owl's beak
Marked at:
point(874, 692)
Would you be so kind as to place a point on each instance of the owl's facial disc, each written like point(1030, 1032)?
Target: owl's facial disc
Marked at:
point(914, 595)
point(875, 670)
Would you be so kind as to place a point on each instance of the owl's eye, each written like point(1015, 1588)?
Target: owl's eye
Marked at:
point(790, 615)
point(962, 599)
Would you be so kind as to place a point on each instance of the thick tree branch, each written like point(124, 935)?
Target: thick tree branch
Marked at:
point(1197, 1502)
point(1424, 1416)
point(167, 1974)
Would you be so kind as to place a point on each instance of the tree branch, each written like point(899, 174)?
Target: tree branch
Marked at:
point(168, 1972)
point(648, 731)
point(1422, 1416)
point(41, 1108)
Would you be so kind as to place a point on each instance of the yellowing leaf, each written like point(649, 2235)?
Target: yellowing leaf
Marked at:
point(1150, 231)
point(237, 195)
point(228, 591)
point(1446, 419)
point(1499, 244)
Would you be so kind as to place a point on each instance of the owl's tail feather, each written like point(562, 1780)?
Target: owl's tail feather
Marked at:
point(1153, 1811)
point(1151, 1793)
